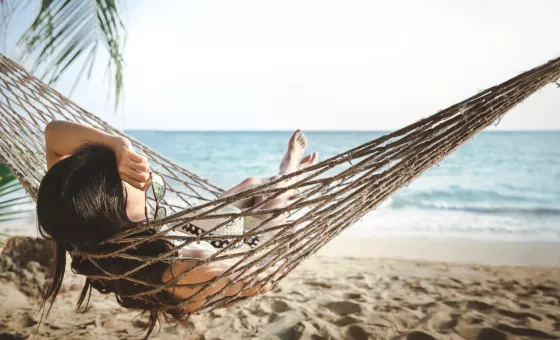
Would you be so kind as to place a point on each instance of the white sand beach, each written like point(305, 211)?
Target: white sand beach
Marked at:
point(352, 289)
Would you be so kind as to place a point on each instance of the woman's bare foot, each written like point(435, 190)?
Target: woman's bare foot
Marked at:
point(296, 147)
point(282, 200)
point(308, 161)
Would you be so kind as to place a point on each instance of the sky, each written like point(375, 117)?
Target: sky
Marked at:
point(319, 65)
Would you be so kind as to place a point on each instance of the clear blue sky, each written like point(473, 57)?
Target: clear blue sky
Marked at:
point(320, 65)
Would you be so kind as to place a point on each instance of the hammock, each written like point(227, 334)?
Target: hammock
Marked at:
point(333, 194)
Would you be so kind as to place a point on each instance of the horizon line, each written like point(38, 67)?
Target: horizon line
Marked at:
point(209, 130)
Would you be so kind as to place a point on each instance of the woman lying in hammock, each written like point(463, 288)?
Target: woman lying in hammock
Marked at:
point(95, 186)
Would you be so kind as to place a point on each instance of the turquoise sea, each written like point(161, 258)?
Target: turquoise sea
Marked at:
point(499, 185)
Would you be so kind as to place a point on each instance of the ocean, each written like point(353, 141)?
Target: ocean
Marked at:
point(498, 186)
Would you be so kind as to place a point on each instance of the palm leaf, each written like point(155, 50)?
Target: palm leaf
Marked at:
point(14, 215)
point(10, 185)
point(6, 176)
point(12, 202)
point(3, 242)
point(66, 31)
point(7, 186)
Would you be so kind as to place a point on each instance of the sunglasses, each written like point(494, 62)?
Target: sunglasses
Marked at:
point(158, 189)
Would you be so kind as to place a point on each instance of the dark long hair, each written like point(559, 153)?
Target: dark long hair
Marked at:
point(81, 202)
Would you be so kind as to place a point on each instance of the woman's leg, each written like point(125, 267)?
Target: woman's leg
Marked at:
point(289, 164)
point(282, 200)
point(296, 147)
point(247, 184)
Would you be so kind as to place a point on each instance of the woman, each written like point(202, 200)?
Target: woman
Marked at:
point(95, 186)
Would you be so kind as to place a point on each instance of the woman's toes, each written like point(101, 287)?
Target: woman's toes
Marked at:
point(314, 158)
point(306, 158)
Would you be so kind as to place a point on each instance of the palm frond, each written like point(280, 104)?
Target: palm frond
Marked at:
point(13, 202)
point(7, 186)
point(14, 215)
point(7, 10)
point(13, 189)
point(3, 239)
point(6, 175)
point(10, 185)
point(66, 30)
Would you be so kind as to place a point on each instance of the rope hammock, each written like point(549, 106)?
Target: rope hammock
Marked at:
point(332, 194)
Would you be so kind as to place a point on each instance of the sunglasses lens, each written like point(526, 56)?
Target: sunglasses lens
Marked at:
point(158, 186)
point(161, 212)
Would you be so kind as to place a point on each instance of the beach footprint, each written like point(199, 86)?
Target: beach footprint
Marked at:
point(525, 332)
point(280, 306)
point(318, 284)
point(418, 335)
point(354, 296)
point(345, 321)
point(344, 308)
point(355, 332)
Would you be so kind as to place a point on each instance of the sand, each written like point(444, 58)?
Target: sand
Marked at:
point(455, 250)
point(333, 297)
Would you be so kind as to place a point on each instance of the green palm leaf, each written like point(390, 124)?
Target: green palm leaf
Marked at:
point(65, 30)
point(10, 185)
point(3, 238)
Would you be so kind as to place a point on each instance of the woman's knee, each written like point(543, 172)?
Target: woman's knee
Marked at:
point(251, 181)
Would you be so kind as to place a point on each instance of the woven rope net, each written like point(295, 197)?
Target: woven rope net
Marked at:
point(333, 194)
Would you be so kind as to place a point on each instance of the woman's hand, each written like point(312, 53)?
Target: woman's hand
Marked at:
point(62, 138)
point(133, 168)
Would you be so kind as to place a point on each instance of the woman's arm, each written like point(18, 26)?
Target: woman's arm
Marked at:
point(205, 273)
point(62, 138)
